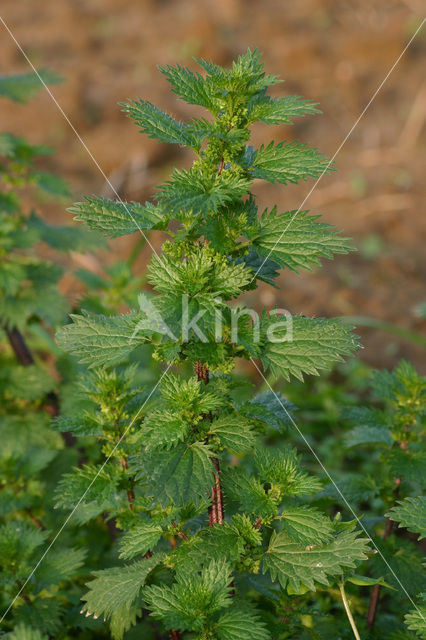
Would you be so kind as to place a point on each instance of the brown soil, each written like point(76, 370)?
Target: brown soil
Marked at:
point(334, 52)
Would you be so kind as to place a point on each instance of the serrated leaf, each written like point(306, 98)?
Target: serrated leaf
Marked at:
point(306, 525)
point(411, 515)
point(249, 492)
point(18, 540)
point(50, 184)
point(296, 240)
point(24, 86)
point(280, 110)
point(271, 408)
point(42, 613)
point(241, 623)
point(192, 87)
point(60, 565)
point(306, 345)
point(296, 565)
point(220, 541)
point(158, 124)
point(139, 540)
point(99, 486)
point(408, 464)
point(113, 591)
point(368, 435)
point(416, 619)
point(100, 340)
point(24, 632)
point(201, 193)
point(200, 276)
point(113, 218)
point(30, 382)
point(262, 268)
point(64, 238)
point(234, 432)
point(282, 467)
point(287, 162)
point(193, 598)
point(162, 428)
point(179, 476)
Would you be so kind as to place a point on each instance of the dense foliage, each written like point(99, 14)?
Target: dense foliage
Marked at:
point(187, 497)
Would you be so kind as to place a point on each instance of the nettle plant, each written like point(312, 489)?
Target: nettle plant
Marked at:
point(219, 537)
point(392, 433)
point(32, 456)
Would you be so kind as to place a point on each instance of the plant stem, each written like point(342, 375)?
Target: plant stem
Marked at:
point(35, 520)
point(375, 592)
point(348, 610)
point(19, 347)
point(26, 359)
point(216, 512)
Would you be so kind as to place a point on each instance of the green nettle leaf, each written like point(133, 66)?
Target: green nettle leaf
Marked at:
point(415, 619)
point(65, 238)
point(249, 492)
point(163, 428)
point(99, 340)
point(240, 623)
point(282, 467)
point(306, 525)
point(113, 591)
point(411, 514)
point(50, 183)
point(234, 432)
point(365, 434)
point(23, 632)
point(271, 408)
point(296, 240)
point(113, 218)
point(192, 87)
point(306, 345)
point(410, 465)
point(201, 193)
point(139, 540)
point(24, 86)
point(295, 565)
point(199, 277)
point(103, 491)
point(60, 565)
point(158, 124)
point(182, 475)
point(192, 599)
point(280, 110)
point(287, 162)
point(45, 614)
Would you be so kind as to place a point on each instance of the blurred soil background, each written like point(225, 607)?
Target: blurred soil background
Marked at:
point(336, 53)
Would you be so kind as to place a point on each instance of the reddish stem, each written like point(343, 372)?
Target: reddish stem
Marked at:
point(19, 347)
point(216, 512)
point(25, 357)
point(217, 515)
point(375, 593)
